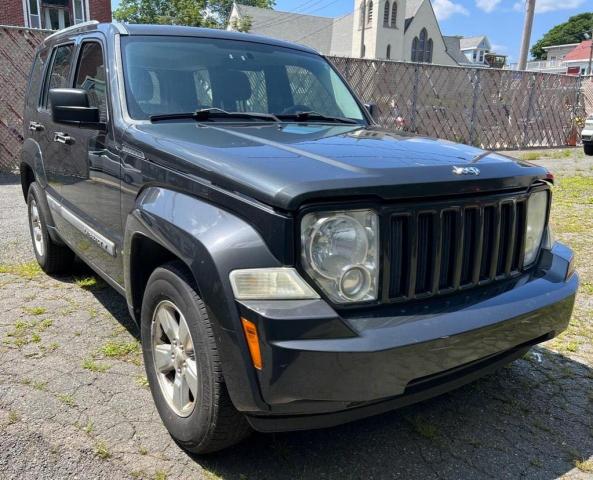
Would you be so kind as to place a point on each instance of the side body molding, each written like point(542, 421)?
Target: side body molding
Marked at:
point(211, 242)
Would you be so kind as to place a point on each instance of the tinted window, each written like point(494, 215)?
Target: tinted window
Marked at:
point(36, 78)
point(180, 75)
point(91, 76)
point(60, 69)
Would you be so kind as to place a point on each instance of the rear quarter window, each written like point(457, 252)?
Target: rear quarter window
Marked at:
point(35, 79)
point(59, 72)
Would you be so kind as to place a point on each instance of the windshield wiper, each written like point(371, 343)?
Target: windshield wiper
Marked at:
point(205, 114)
point(311, 115)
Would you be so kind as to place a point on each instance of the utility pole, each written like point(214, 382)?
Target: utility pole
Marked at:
point(591, 56)
point(363, 18)
point(527, 27)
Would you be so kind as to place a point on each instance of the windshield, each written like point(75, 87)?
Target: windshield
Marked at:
point(166, 75)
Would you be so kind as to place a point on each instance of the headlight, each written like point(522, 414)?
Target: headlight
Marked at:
point(340, 252)
point(537, 212)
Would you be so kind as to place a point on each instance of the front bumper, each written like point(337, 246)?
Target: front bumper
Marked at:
point(323, 369)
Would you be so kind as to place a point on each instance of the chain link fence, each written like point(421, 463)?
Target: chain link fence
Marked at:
point(587, 89)
point(492, 109)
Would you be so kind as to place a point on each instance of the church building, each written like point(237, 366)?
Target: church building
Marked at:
point(402, 30)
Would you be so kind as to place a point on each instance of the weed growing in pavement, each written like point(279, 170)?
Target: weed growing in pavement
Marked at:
point(29, 270)
point(91, 365)
point(66, 399)
point(120, 349)
point(13, 417)
point(102, 451)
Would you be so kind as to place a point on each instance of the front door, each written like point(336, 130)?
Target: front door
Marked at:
point(90, 186)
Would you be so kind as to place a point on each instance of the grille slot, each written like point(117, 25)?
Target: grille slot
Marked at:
point(444, 249)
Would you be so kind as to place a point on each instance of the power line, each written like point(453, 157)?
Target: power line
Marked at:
point(302, 10)
point(294, 15)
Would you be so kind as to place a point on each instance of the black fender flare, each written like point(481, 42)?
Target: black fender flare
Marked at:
point(211, 242)
point(32, 157)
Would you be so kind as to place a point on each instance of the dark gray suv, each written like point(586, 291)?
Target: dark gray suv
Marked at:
point(290, 264)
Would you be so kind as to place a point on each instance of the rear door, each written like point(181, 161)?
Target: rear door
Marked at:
point(57, 76)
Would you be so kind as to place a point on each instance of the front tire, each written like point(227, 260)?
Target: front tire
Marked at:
point(183, 367)
point(51, 256)
point(588, 147)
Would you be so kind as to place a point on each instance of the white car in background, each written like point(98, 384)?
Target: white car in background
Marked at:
point(587, 136)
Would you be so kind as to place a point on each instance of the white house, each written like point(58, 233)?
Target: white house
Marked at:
point(404, 30)
point(475, 49)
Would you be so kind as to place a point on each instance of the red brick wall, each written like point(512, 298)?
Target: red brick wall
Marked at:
point(11, 13)
point(100, 10)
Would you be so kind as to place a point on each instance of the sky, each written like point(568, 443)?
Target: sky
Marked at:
point(500, 20)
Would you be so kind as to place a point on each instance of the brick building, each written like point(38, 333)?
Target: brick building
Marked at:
point(53, 14)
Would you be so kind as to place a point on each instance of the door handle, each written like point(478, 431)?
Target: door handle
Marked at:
point(35, 126)
point(64, 138)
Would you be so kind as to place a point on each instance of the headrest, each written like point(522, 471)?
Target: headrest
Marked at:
point(232, 86)
point(141, 85)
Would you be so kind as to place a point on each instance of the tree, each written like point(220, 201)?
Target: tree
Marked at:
point(196, 13)
point(572, 31)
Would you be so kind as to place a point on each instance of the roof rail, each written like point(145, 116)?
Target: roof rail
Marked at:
point(73, 27)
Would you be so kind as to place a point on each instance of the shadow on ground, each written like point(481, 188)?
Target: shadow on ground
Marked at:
point(532, 419)
point(527, 420)
point(9, 179)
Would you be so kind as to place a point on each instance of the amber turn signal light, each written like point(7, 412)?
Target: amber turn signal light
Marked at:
point(252, 342)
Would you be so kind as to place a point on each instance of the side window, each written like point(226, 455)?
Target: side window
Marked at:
point(36, 78)
point(90, 76)
point(60, 69)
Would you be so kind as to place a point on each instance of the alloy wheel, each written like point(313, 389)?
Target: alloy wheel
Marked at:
point(174, 358)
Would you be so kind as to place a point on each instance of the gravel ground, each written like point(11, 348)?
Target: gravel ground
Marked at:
point(74, 402)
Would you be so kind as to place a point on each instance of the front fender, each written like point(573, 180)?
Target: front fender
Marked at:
point(211, 242)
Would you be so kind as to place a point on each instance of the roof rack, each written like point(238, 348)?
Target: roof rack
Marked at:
point(73, 27)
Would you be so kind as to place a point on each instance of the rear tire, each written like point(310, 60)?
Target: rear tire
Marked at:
point(205, 420)
point(51, 256)
point(588, 147)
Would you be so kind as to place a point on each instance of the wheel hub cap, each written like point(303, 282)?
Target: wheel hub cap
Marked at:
point(36, 231)
point(174, 358)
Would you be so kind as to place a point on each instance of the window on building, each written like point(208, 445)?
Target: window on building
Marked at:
point(362, 14)
point(60, 70)
point(34, 13)
point(475, 56)
point(91, 76)
point(370, 12)
point(79, 15)
point(394, 15)
point(386, 14)
point(481, 56)
point(388, 52)
point(422, 48)
point(56, 15)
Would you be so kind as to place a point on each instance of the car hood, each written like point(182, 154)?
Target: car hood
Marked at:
point(285, 165)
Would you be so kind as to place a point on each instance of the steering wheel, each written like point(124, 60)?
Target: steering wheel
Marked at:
point(296, 109)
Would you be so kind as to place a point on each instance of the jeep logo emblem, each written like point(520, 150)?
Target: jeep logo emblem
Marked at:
point(466, 171)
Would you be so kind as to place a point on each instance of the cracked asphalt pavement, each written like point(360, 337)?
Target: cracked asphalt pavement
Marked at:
point(74, 401)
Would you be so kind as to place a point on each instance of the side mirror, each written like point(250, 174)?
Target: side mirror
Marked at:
point(71, 106)
point(372, 109)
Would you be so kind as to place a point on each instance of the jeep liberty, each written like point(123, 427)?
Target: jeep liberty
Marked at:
point(290, 264)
